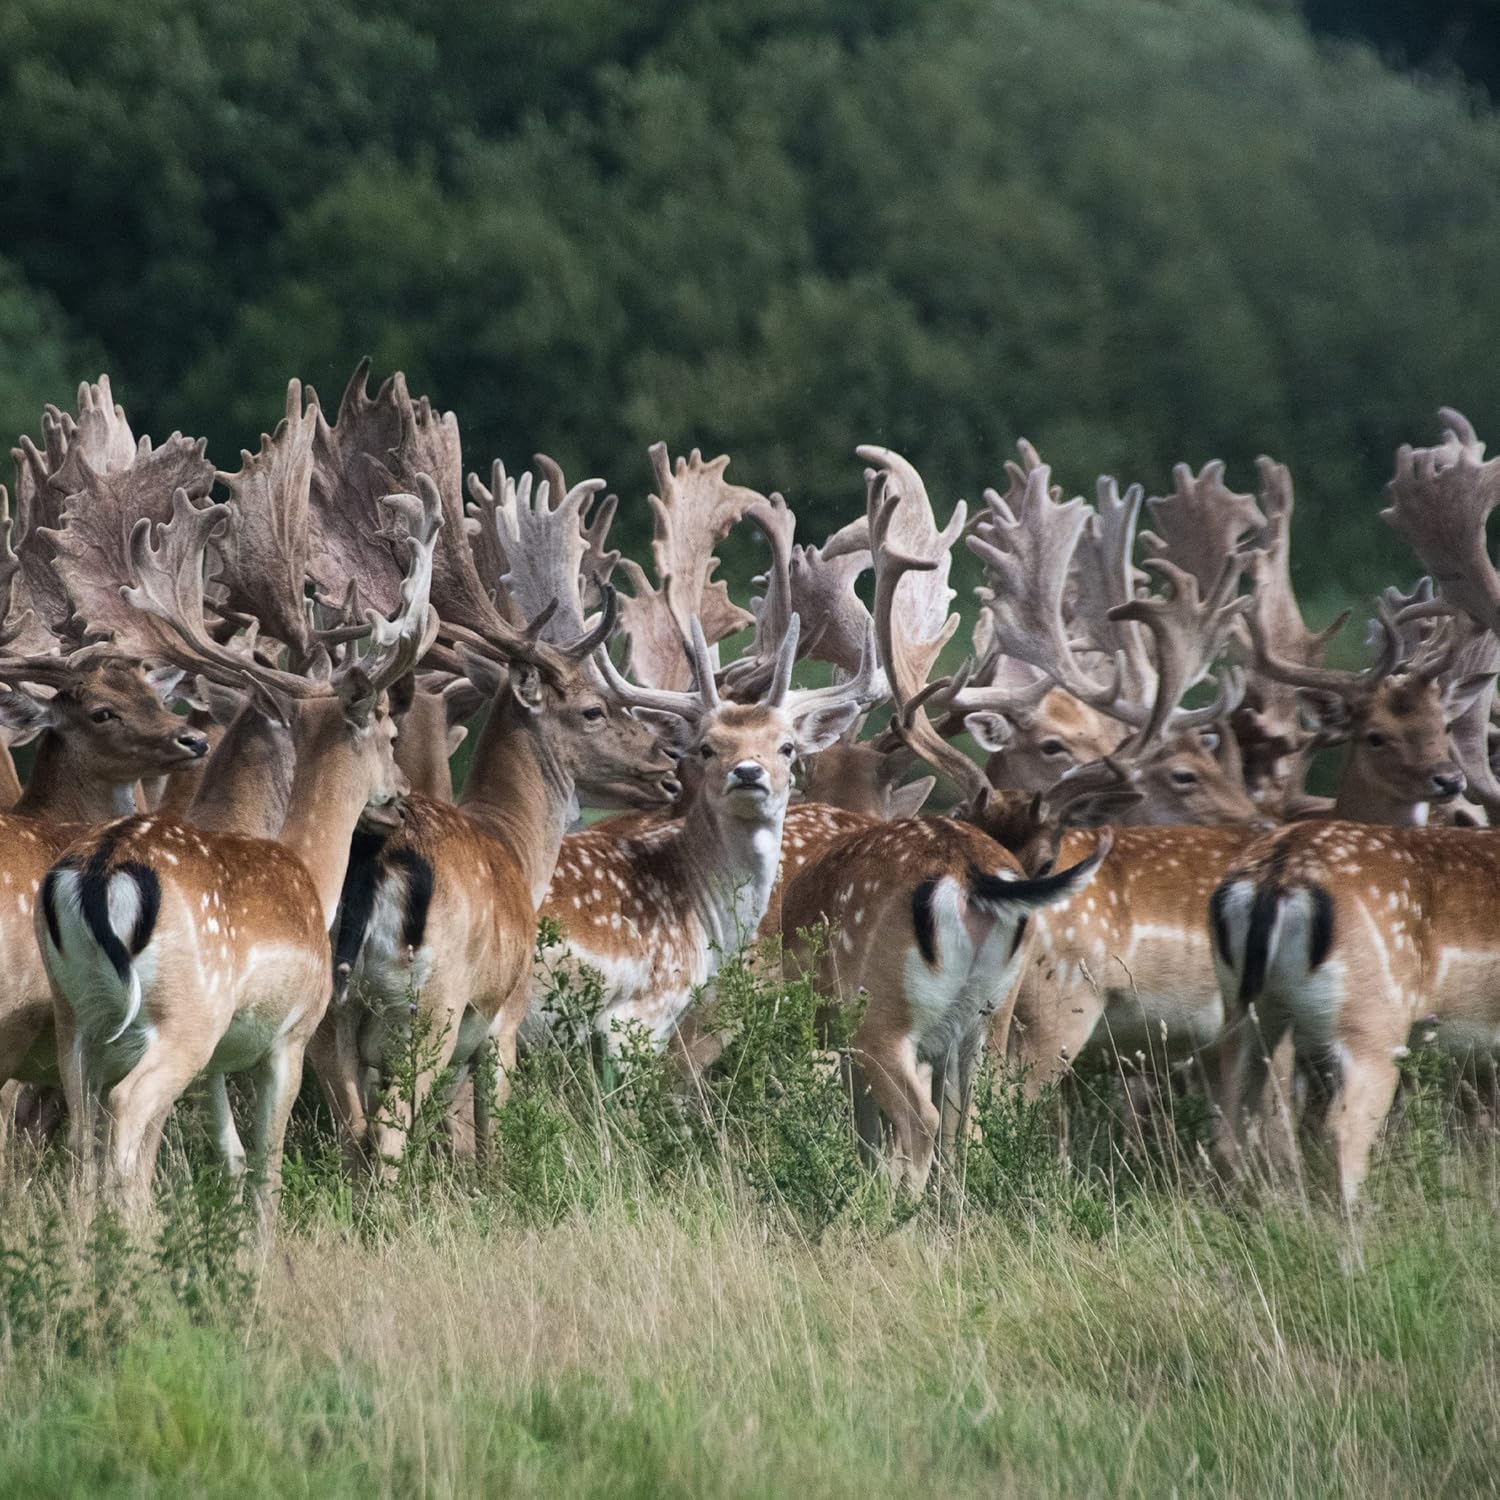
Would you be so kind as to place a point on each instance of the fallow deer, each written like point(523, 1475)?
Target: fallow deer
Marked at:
point(442, 912)
point(100, 721)
point(174, 952)
point(929, 916)
point(1347, 938)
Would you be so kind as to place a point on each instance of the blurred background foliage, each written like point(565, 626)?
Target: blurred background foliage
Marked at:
point(1136, 231)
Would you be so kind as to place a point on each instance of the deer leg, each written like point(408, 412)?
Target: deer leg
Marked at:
point(1245, 1050)
point(82, 1100)
point(443, 1014)
point(277, 1079)
point(138, 1107)
point(1365, 1088)
point(898, 1090)
point(333, 1054)
point(221, 1117)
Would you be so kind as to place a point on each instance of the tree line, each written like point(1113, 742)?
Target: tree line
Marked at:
point(1135, 231)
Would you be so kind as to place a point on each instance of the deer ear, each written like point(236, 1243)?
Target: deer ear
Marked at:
point(166, 681)
point(822, 726)
point(906, 801)
point(674, 732)
point(22, 714)
point(483, 675)
point(526, 687)
point(456, 736)
point(222, 704)
point(992, 732)
point(1462, 692)
point(357, 694)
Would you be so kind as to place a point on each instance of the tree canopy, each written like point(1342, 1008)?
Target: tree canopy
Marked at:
point(1135, 231)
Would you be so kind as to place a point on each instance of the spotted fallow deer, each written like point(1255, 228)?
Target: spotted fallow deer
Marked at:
point(97, 713)
point(443, 911)
point(1043, 592)
point(929, 916)
point(654, 915)
point(1126, 970)
point(174, 952)
point(1347, 938)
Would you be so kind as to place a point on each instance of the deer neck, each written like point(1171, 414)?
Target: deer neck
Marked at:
point(519, 792)
point(729, 867)
point(1357, 801)
point(422, 747)
point(243, 789)
point(62, 791)
point(324, 804)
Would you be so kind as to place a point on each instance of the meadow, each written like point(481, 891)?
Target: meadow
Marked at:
point(641, 1293)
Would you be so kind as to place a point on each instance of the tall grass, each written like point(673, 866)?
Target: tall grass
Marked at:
point(644, 1292)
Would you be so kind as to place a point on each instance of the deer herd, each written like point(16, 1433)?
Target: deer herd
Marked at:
point(238, 848)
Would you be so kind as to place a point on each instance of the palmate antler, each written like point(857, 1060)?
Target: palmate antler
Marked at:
point(693, 511)
point(264, 556)
point(909, 645)
point(534, 535)
point(1201, 523)
point(1440, 500)
point(161, 615)
point(92, 546)
point(1027, 550)
point(359, 461)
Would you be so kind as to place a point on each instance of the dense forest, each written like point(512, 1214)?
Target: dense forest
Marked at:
point(1135, 231)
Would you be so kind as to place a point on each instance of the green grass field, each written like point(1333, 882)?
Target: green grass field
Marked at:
point(631, 1298)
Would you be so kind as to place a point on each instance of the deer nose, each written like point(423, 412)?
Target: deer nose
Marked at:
point(1447, 783)
point(196, 745)
point(749, 773)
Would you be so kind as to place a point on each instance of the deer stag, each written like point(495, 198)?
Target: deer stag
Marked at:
point(1346, 938)
point(930, 915)
point(174, 952)
point(1028, 542)
point(444, 909)
point(100, 719)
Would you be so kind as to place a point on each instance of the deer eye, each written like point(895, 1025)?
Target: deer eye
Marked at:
point(1184, 778)
point(707, 752)
point(788, 749)
point(1374, 739)
point(103, 715)
point(593, 714)
point(1054, 747)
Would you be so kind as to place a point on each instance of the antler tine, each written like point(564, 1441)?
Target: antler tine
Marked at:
point(1326, 679)
point(1188, 631)
point(1418, 618)
point(867, 686)
point(398, 643)
point(1106, 578)
point(1201, 522)
point(693, 511)
point(687, 705)
point(1440, 499)
point(265, 557)
point(1026, 550)
point(746, 678)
